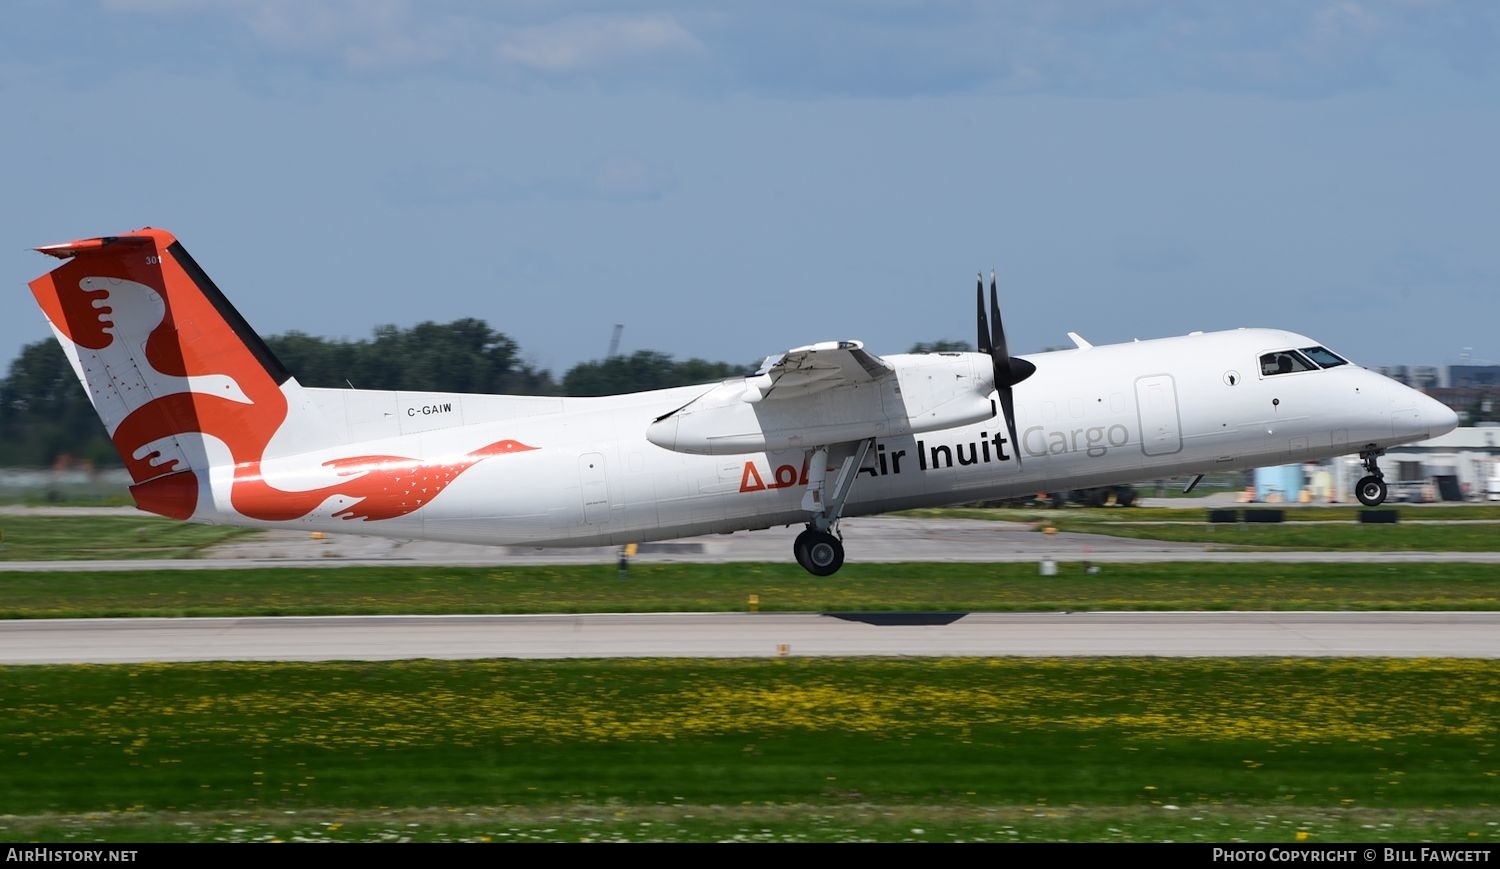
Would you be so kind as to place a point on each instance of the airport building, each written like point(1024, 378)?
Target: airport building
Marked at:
point(1473, 391)
point(1463, 465)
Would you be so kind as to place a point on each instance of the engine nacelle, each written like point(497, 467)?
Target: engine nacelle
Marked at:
point(925, 392)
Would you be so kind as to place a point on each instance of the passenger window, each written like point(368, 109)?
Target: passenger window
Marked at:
point(1324, 358)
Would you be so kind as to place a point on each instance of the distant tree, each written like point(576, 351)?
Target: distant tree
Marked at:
point(642, 370)
point(45, 414)
point(942, 347)
point(462, 356)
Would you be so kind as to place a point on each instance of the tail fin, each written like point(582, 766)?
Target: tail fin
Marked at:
point(174, 371)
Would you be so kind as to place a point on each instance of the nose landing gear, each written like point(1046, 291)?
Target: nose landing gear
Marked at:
point(1371, 489)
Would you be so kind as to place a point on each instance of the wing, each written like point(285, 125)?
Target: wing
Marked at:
point(830, 393)
point(804, 371)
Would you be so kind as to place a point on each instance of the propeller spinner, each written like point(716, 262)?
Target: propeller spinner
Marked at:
point(1009, 370)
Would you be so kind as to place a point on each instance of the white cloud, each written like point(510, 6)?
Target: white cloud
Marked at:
point(362, 34)
point(377, 34)
point(1284, 48)
point(582, 42)
point(156, 7)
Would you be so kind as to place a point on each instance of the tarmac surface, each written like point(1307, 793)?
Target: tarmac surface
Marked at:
point(716, 635)
point(866, 539)
point(734, 635)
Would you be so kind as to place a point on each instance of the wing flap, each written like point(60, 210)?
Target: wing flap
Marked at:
point(804, 371)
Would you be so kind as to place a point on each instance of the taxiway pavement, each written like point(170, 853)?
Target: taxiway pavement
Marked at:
point(734, 635)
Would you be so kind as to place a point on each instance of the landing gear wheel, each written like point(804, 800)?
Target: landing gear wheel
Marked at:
point(1370, 491)
point(819, 552)
point(799, 549)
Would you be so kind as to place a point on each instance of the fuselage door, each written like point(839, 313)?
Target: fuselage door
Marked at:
point(1161, 428)
point(594, 486)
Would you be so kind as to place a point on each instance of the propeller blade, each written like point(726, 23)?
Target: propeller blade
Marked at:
point(998, 351)
point(1008, 407)
point(984, 327)
point(1008, 370)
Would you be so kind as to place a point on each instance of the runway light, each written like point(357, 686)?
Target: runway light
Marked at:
point(1049, 530)
point(317, 535)
point(754, 603)
point(784, 649)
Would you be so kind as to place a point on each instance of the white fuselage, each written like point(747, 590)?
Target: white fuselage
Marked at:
point(1087, 417)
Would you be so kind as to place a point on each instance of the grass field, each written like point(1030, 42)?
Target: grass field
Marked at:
point(62, 538)
point(727, 588)
point(780, 750)
point(1456, 537)
point(1471, 528)
point(1461, 528)
point(788, 749)
point(1291, 512)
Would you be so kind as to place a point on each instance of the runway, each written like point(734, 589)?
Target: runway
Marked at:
point(867, 539)
point(735, 635)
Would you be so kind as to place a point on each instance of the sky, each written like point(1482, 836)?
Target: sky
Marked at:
point(732, 179)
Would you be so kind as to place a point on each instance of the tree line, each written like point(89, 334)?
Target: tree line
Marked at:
point(46, 419)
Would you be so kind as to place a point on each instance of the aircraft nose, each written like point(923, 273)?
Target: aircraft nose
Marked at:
point(1438, 418)
point(1422, 417)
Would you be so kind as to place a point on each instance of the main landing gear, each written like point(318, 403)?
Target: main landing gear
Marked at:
point(819, 552)
point(1371, 489)
point(819, 549)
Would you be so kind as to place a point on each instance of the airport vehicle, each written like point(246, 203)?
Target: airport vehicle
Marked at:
point(213, 429)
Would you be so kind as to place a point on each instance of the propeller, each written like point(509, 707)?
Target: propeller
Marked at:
point(1009, 370)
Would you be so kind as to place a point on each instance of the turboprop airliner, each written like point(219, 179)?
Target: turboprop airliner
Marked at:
point(213, 429)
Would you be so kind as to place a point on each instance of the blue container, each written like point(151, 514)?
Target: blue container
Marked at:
point(1281, 483)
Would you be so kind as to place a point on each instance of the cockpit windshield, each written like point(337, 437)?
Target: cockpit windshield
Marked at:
point(1284, 362)
point(1324, 357)
point(1306, 359)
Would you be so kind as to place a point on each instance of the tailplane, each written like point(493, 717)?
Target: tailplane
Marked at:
point(180, 380)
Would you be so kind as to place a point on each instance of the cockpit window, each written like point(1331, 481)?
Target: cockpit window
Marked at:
point(1324, 357)
point(1284, 362)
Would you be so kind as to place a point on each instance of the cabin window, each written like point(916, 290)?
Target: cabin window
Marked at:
point(1324, 357)
point(1284, 362)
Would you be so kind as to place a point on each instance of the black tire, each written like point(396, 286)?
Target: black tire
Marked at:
point(799, 548)
point(1124, 496)
point(1370, 491)
point(819, 552)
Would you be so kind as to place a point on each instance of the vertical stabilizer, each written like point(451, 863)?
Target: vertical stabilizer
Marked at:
point(206, 419)
point(178, 377)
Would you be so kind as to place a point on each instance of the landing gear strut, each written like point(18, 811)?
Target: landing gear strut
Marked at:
point(818, 549)
point(1371, 489)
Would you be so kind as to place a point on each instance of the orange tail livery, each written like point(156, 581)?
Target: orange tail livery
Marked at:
point(208, 422)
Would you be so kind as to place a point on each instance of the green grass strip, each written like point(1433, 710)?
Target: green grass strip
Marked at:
point(728, 587)
point(1306, 536)
point(813, 748)
point(63, 538)
point(1291, 512)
